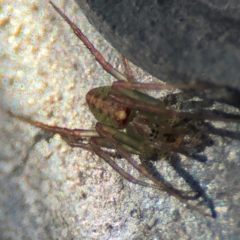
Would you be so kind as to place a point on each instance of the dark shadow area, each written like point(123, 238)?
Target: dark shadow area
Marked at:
point(175, 162)
point(197, 194)
point(224, 94)
point(213, 93)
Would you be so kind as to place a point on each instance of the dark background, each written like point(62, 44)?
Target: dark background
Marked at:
point(174, 40)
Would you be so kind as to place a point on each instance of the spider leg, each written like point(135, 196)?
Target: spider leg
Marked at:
point(76, 133)
point(128, 71)
point(158, 86)
point(101, 142)
point(106, 157)
point(132, 99)
point(98, 56)
point(78, 144)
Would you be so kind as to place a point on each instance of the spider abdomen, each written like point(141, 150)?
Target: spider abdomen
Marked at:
point(106, 110)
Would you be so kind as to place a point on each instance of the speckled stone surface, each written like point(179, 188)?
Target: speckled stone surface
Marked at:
point(51, 191)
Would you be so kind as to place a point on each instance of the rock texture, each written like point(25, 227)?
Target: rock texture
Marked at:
point(174, 40)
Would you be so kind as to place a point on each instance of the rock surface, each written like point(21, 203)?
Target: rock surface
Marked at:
point(176, 41)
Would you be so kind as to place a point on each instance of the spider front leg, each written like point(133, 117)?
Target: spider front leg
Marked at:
point(71, 136)
point(98, 56)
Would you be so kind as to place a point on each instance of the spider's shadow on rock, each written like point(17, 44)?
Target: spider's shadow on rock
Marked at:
point(175, 161)
point(228, 102)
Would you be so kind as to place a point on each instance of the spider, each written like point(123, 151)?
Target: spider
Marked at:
point(133, 123)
